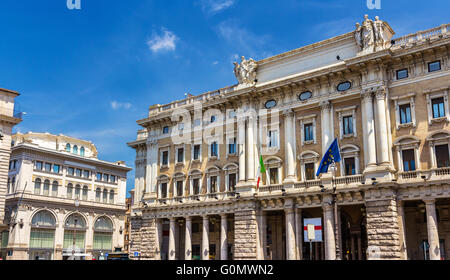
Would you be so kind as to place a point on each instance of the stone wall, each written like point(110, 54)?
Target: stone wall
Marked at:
point(143, 237)
point(383, 231)
point(245, 235)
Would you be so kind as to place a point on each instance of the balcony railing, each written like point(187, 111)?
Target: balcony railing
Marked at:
point(422, 35)
point(444, 171)
point(347, 180)
point(271, 188)
point(409, 175)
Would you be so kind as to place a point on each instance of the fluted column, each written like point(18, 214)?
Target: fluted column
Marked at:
point(251, 148)
point(299, 233)
point(172, 249)
point(432, 228)
point(382, 127)
point(327, 133)
point(242, 144)
point(370, 152)
point(290, 234)
point(223, 237)
point(188, 240)
point(290, 144)
point(205, 238)
point(330, 241)
point(158, 239)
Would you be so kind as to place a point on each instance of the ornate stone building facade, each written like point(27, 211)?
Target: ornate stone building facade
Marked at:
point(62, 201)
point(9, 117)
point(384, 99)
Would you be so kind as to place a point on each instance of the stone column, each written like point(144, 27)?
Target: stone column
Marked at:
point(330, 241)
point(327, 133)
point(299, 233)
point(359, 247)
point(402, 228)
point(290, 144)
point(205, 238)
point(264, 234)
point(251, 148)
point(290, 234)
point(382, 127)
point(172, 249)
point(188, 240)
point(245, 233)
point(432, 228)
point(242, 140)
point(223, 237)
point(158, 239)
point(370, 153)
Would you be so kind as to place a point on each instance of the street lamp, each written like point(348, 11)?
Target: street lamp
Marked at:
point(75, 220)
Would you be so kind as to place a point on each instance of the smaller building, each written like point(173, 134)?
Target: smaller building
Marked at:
point(62, 202)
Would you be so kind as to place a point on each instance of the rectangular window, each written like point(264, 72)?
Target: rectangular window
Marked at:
point(86, 173)
point(48, 167)
point(409, 162)
point(442, 156)
point(39, 165)
point(99, 176)
point(163, 190)
point(348, 125)
point(113, 178)
point(405, 113)
point(402, 74)
point(213, 182)
point(166, 130)
point(349, 166)
point(273, 172)
point(79, 172)
point(196, 152)
point(214, 151)
point(232, 182)
point(180, 155)
point(196, 186)
point(71, 171)
point(438, 107)
point(308, 131)
point(232, 146)
point(309, 171)
point(434, 66)
point(165, 158)
point(105, 177)
point(273, 138)
point(179, 188)
point(56, 168)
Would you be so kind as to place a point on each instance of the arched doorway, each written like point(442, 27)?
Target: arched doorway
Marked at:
point(74, 237)
point(42, 236)
point(103, 235)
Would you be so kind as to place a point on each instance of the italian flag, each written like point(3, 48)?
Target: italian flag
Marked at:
point(261, 170)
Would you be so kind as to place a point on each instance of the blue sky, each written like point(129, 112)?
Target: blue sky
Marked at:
point(91, 73)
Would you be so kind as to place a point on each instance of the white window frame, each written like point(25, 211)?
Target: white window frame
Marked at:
point(350, 151)
point(304, 120)
point(177, 148)
point(274, 162)
point(161, 151)
point(407, 143)
point(305, 158)
point(179, 177)
point(229, 169)
point(163, 179)
point(403, 100)
point(433, 142)
point(437, 93)
point(200, 152)
point(195, 174)
point(210, 142)
point(229, 139)
point(349, 111)
point(277, 145)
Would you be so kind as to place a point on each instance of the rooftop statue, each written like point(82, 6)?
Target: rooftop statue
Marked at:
point(372, 35)
point(245, 72)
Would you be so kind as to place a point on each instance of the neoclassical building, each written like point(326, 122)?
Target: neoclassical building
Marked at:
point(9, 117)
point(386, 101)
point(62, 200)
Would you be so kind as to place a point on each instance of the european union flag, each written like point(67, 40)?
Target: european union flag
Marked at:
point(332, 155)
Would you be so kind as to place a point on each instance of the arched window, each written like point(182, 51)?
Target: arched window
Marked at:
point(98, 193)
point(163, 182)
point(195, 182)
point(68, 148)
point(75, 223)
point(273, 166)
point(103, 232)
point(82, 151)
point(55, 188)
point(37, 186)
point(69, 191)
point(105, 196)
point(77, 192)
point(75, 149)
point(47, 187)
point(213, 178)
point(231, 176)
point(111, 197)
point(85, 193)
point(308, 165)
point(42, 235)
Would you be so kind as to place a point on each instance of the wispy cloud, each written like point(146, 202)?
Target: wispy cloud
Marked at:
point(115, 105)
point(163, 42)
point(244, 41)
point(211, 7)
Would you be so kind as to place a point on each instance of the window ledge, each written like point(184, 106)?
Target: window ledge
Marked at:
point(164, 167)
point(179, 164)
point(406, 125)
point(231, 155)
point(439, 120)
point(348, 135)
point(213, 158)
point(196, 161)
point(309, 142)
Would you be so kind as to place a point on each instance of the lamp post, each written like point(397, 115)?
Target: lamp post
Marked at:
point(336, 220)
point(77, 204)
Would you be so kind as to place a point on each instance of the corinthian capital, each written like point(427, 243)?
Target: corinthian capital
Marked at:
point(366, 95)
point(325, 105)
point(381, 93)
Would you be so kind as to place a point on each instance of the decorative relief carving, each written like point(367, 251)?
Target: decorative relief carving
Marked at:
point(245, 72)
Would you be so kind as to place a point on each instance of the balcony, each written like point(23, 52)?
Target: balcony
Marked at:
point(347, 180)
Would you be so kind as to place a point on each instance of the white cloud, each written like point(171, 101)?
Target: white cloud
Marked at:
point(215, 63)
point(166, 41)
point(216, 6)
point(118, 105)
